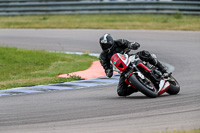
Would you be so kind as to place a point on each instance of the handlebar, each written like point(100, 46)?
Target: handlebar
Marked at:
point(125, 51)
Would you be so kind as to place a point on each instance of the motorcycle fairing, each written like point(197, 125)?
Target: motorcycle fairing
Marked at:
point(120, 62)
point(163, 87)
point(144, 67)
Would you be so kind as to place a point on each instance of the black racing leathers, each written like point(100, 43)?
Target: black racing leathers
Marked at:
point(120, 45)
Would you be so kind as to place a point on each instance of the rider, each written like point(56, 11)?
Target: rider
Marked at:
point(110, 47)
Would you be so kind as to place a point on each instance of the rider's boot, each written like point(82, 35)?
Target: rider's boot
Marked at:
point(163, 69)
point(154, 61)
point(166, 75)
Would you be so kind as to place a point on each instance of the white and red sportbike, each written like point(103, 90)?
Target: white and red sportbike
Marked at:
point(143, 76)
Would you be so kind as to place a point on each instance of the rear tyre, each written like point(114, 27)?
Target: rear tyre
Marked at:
point(147, 89)
point(174, 87)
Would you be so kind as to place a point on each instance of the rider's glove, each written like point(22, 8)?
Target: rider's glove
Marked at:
point(109, 73)
point(134, 45)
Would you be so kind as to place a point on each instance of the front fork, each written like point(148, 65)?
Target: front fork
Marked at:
point(129, 73)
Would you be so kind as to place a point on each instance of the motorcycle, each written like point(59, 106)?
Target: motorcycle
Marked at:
point(143, 76)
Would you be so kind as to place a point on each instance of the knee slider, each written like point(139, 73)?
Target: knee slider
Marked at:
point(121, 92)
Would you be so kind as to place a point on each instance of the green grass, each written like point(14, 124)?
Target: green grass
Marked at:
point(181, 131)
point(21, 67)
point(177, 21)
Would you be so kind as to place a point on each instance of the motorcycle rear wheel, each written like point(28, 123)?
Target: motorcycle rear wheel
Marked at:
point(174, 87)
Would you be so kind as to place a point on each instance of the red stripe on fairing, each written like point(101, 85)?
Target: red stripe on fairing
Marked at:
point(116, 60)
point(163, 90)
point(143, 66)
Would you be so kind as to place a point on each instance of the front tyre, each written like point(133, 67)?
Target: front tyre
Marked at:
point(174, 87)
point(147, 89)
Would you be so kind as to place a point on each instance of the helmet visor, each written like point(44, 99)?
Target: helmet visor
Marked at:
point(106, 46)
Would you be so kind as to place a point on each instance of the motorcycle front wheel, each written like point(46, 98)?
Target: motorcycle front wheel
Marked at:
point(147, 88)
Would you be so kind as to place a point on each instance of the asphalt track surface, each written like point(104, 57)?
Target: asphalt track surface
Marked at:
point(99, 109)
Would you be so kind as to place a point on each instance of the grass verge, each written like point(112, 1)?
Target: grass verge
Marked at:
point(21, 67)
point(177, 21)
point(181, 131)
